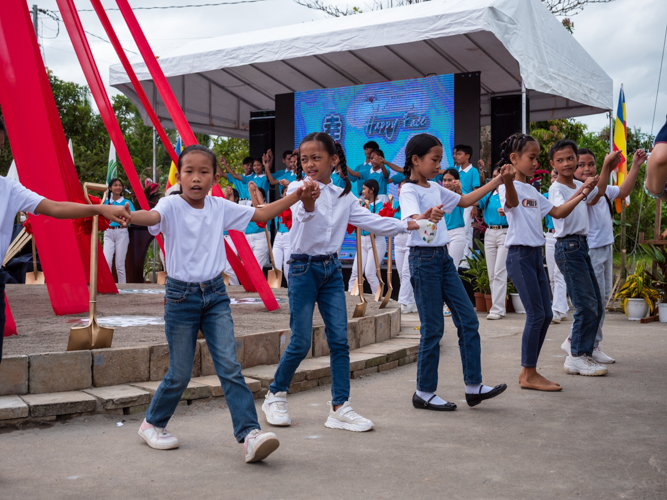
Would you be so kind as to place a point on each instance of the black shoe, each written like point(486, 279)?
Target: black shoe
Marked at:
point(475, 399)
point(418, 402)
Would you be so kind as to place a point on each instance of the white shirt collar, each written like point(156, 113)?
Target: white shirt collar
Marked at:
point(466, 169)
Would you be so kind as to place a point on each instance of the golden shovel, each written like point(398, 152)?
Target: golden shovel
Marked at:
point(92, 336)
point(275, 276)
point(378, 272)
point(36, 277)
point(360, 309)
point(19, 242)
point(390, 288)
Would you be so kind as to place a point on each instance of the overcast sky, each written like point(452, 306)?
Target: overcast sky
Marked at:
point(625, 37)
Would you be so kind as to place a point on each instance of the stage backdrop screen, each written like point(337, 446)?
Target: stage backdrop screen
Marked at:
point(388, 113)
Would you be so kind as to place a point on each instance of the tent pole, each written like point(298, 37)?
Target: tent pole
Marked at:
point(523, 107)
point(154, 280)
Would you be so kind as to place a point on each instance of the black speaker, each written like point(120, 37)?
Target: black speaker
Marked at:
point(262, 132)
point(505, 121)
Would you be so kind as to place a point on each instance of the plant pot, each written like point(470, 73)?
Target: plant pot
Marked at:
point(636, 309)
point(489, 301)
point(517, 304)
point(480, 303)
point(662, 312)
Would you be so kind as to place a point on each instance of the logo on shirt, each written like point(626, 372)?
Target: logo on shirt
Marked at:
point(528, 203)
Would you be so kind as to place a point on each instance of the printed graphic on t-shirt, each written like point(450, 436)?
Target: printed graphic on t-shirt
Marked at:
point(528, 203)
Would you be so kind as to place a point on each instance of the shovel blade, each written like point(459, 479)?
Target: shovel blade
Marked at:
point(103, 337)
point(275, 278)
point(93, 336)
point(354, 291)
point(360, 310)
point(31, 279)
point(378, 292)
point(387, 296)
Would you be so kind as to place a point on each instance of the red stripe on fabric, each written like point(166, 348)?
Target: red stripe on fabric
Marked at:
point(10, 324)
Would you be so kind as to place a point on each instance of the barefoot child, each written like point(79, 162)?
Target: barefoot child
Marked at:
point(524, 208)
point(196, 298)
point(435, 279)
point(15, 198)
point(318, 229)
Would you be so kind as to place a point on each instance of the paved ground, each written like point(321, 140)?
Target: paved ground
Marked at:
point(600, 438)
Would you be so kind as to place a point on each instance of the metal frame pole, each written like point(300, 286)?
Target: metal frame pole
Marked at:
point(523, 108)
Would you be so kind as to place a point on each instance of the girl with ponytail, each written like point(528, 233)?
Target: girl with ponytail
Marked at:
point(117, 238)
point(315, 276)
point(435, 278)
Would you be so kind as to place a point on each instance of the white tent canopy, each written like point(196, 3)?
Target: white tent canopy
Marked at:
point(218, 81)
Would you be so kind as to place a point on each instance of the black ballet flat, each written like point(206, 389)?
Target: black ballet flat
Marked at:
point(418, 402)
point(475, 399)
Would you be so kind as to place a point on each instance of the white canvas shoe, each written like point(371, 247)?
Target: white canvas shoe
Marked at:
point(493, 316)
point(258, 445)
point(157, 437)
point(555, 319)
point(275, 409)
point(583, 365)
point(601, 357)
point(347, 419)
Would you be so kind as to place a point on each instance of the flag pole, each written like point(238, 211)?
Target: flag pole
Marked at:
point(624, 251)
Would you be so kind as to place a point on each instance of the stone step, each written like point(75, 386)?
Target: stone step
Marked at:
point(119, 396)
point(213, 383)
point(194, 390)
point(59, 403)
point(12, 407)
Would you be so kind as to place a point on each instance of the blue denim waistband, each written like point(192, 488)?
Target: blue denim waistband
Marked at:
point(578, 237)
point(185, 284)
point(302, 257)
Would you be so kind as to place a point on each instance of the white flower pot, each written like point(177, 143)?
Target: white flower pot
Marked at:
point(517, 304)
point(636, 309)
point(662, 311)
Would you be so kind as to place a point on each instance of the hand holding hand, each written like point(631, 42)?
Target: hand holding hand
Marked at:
point(308, 193)
point(434, 214)
point(412, 225)
point(639, 158)
point(283, 182)
point(589, 185)
point(117, 213)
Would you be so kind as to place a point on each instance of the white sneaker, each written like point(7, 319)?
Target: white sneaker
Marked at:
point(563, 317)
point(566, 346)
point(347, 419)
point(583, 365)
point(601, 357)
point(493, 316)
point(258, 445)
point(157, 437)
point(446, 312)
point(408, 308)
point(275, 409)
point(555, 319)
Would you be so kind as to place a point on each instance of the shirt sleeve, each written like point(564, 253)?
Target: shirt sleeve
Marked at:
point(247, 178)
point(545, 204)
point(485, 200)
point(374, 223)
point(409, 201)
point(612, 192)
point(164, 208)
point(236, 217)
point(556, 197)
point(450, 199)
point(22, 199)
point(592, 195)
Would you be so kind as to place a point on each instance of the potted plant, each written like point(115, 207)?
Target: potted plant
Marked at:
point(477, 276)
point(638, 297)
point(515, 300)
point(658, 254)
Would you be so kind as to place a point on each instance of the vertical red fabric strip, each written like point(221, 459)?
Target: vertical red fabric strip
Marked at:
point(10, 324)
point(87, 61)
point(104, 19)
point(26, 112)
point(239, 270)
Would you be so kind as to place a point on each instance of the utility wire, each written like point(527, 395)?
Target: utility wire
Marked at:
point(165, 7)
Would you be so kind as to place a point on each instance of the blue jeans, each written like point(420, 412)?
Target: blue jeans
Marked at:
point(316, 279)
point(435, 280)
point(188, 308)
point(582, 286)
point(526, 270)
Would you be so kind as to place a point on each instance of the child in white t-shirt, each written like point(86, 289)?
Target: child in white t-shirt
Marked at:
point(524, 208)
point(196, 298)
point(573, 259)
point(601, 233)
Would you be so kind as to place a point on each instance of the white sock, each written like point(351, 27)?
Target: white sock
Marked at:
point(474, 389)
point(428, 395)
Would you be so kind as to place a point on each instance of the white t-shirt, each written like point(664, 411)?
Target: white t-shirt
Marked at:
point(577, 221)
point(416, 200)
point(525, 220)
point(194, 238)
point(14, 198)
point(601, 230)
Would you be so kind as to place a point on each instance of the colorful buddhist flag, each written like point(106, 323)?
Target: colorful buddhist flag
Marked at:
point(171, 181)
point(112, 168)
point(620, 144)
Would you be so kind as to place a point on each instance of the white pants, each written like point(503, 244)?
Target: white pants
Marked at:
point(382, 198)
point(556, 279)
point(259, 247)
point(496, 261)
point(282, 253)
point(456, 245)
point(368, 261)
point(467, 219)
point(233, 280)
point(116, 242)
point(405, 294)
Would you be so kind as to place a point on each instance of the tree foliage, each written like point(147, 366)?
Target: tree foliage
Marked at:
point(234, 150)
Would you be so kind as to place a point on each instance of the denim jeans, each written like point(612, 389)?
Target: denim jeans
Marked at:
point(188, 308)
point(316, 279)
point(2, 311)
point(582, 286)
point(435, 281)
point(525, 268)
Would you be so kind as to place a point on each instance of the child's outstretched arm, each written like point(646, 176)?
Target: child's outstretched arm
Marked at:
point(381, 226)
point(146, 217)
point(234, 175)
point(68, 210)
point(395, 168)
point(631, 179)
point(473, 197)
point(610, 161)
point(562, 211)
point(307, 194)
point(266, 162)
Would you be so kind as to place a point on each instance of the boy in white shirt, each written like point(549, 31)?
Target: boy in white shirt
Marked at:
point(196, 298)
point(572, 255)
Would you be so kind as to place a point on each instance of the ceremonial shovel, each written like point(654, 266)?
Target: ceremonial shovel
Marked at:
point(360, 309)
point(275, 276)
point(378, 292)
point(390, 289)
point(36, 277)
point(92, 336)
point(16, 246)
